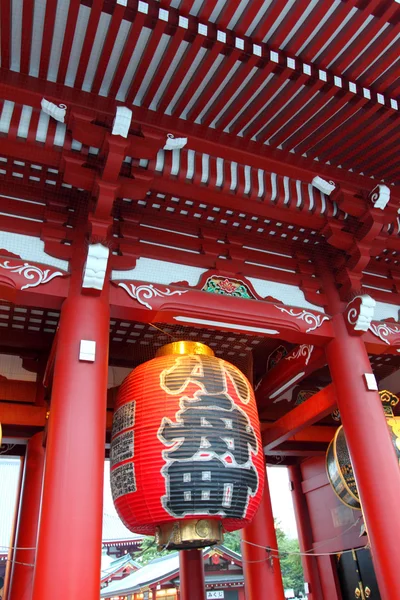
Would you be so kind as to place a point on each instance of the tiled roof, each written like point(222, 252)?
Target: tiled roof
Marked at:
point(118, 564)
point(160, 568)
point(155, 570)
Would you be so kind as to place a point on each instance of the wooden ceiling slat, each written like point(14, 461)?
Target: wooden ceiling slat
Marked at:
point(164, 65)
point(329, 29)
point(27, 31)
point(145, 60)
point(360, 150)
point(51, 132)
point(230, 88)
point(109, 42)
point(129, 48)
point(287, 24)
point(208, 8)
point(226, 14)
point(180, 73)
point(16, 116)
point(358, 46)
point(391, 77)
point(5, 33)
point(70, 27)
point(201, 72)
point(281, 128)
point(328, 119)
point(268, 19)
point(341, 139)
point(90, 34)
point(47, 40)
point(365, 69)
point(289, 91)
point(33, 125)
point(251, 88)
point(344, 36)
point(308, 27)
point(248, 16)
point(384, 164)
point(212, 86)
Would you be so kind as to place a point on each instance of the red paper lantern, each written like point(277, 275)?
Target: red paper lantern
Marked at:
point(186, 448)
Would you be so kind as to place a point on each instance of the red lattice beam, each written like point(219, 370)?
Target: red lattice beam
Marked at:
point(312, 410)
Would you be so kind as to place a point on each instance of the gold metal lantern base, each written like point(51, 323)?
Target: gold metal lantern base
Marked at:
point(189, 533)
point(184, 347)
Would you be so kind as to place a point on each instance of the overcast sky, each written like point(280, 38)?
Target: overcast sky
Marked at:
point(278, 479)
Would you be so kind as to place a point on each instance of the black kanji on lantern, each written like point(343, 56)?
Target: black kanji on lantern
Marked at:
point(209, 466)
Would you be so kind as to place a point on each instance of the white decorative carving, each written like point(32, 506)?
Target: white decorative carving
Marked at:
point(326, 187)
point(95, 267)
point(31, 272)
point(29, 248)
point(57, 112)
point(308, 317)
point(122, 121)
point(362, 315)
point(380, 196)
point(141, 293)
point(174, 143)
point(160, 271)
point(383, 330)
point(304, 350)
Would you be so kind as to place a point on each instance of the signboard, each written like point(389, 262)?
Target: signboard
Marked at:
point(215, 594)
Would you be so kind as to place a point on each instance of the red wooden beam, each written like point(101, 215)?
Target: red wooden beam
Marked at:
point(300, 362)
point(299, 449)
point(267, 210)
point(17, 391)
point(195, 308)
point(22, 415)
point(383, 335)
point(312, 410)
point(34, 152)
point(23, 89)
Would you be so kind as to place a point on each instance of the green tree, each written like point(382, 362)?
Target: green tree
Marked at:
point(148, 551)
point(232, 541)
point(292, 571)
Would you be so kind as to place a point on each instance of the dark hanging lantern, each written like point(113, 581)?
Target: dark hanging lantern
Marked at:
point(186, 456)
point(338, 462)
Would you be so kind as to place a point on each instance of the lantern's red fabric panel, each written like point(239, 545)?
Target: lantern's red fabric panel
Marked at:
point(186, 443)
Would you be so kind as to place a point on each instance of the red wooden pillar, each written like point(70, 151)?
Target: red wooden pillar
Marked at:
point(28, 519)
point(191, 575)
point(262, 571)
point(153, 590)
point(374, 461)
point(241, 595)
point(69, 543)
point(309, 562)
